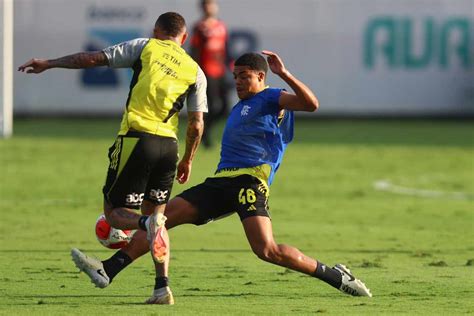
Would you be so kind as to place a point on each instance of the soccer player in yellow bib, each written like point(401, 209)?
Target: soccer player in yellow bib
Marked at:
point(144, 157)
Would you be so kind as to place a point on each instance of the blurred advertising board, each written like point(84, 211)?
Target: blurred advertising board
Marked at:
point(364, 57)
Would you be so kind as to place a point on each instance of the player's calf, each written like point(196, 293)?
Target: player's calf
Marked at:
point(268, 252)
point(156, 230)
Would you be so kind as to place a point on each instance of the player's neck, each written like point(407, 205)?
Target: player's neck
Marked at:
point(168, 38)
point(159, 35)
point(255, 92)
point(260, 88)
point(209, 19)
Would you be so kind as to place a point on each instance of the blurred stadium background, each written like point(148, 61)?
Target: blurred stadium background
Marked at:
point(392, 195)
point(363, 58)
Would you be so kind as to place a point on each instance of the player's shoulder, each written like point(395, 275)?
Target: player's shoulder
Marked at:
point(134, 46)
point(194, 64)
point(269, 98)
point(273, 90)
point(221, 23)
point(199, 25)
point(270, 93)
point(141, 39)
point(138, 42)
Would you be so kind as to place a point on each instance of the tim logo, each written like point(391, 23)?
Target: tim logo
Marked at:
point(104, 76)
point(134, 199)
point(245, 110)
point(159, 195)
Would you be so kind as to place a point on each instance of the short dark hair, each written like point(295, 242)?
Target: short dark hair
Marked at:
point(203, 2)
point(254, 61)
point(171, 23)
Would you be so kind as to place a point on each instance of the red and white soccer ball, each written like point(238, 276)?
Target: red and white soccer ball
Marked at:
point(110, 237)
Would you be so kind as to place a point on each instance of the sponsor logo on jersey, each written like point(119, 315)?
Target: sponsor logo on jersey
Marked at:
point(245, 110)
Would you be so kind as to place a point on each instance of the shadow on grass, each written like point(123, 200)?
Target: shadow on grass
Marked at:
point(358, 251)
point(53, 299)
point(322, 131)
point(74, 296)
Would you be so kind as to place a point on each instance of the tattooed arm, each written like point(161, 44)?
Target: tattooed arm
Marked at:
point(74, 61)
point(193, 138)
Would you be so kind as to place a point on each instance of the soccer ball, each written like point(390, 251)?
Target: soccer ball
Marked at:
point(110, 237)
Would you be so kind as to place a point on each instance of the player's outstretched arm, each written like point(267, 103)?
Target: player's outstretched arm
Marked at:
point(303, 99)
point(74, 61)
point(193, 138)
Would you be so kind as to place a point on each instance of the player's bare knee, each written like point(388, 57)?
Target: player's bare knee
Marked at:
point(148, 207)
point(268, 252)
point(107, 207)
point(108, 212)
point(111, 217)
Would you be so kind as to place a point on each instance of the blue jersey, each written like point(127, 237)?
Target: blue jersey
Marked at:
point(255, 137)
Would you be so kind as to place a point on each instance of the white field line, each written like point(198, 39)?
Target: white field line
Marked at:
point(386, 185)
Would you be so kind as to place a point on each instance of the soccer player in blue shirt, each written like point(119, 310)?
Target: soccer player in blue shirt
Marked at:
point(258, 129)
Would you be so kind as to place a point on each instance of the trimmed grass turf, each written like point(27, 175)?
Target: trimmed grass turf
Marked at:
point(414, 253)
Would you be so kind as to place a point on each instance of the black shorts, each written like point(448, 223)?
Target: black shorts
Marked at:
point(142, 167)
point(218, 197)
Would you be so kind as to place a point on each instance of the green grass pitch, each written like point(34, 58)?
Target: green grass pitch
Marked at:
point(415, 252)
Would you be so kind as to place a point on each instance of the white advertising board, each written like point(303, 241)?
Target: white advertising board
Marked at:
point(364, 57)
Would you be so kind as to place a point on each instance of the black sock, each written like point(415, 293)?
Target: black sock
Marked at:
point(161, 282)
point(141, 222)
point(116, 263)
point(329, 275)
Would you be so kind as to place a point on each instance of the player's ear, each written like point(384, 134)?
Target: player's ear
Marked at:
point(183, 39)
point(261, 76)
point(155, 32)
